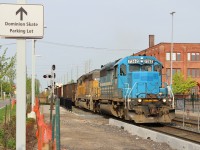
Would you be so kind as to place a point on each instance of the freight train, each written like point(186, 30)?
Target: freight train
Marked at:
point(130, 88)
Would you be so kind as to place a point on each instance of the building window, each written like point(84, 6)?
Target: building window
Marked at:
point(188, 56)
point(175, 56)
point(174, 70)
point(193, 56)
point(178, 56)
point(168, 56)
point(193, 72)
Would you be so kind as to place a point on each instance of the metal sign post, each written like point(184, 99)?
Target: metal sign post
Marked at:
point(21, 93)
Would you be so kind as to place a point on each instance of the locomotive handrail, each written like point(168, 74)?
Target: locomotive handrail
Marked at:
point(126, 93)
point(132, 89)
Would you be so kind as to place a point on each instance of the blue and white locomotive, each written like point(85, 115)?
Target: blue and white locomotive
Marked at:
point(132, 88)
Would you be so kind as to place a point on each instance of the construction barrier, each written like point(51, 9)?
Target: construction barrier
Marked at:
point(44, 130)
point(13, 103)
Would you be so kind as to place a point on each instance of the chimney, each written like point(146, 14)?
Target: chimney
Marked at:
point(151, 40)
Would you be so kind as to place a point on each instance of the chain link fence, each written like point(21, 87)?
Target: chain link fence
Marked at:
point(187, 102)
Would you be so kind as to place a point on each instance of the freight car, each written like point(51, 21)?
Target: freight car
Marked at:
point(130, 88)
point(69, 91)
point(66, 93)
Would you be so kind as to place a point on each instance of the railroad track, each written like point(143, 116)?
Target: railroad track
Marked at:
point(174, 131)
point(187, 123)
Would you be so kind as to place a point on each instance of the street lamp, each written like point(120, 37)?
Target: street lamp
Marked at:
point(32, 114)
point(171, 62)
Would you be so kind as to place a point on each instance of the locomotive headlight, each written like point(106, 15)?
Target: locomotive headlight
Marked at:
point(139, 100)
point(164, 100)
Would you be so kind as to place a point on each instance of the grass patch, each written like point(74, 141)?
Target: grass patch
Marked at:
point(8, 130)
point(2, 113)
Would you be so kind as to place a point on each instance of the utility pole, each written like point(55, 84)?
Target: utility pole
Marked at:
point(171, 64)
point(32, 114)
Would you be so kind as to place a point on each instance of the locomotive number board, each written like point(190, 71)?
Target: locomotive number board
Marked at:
point(138, 61)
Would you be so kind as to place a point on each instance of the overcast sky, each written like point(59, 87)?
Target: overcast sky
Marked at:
point(95, 32)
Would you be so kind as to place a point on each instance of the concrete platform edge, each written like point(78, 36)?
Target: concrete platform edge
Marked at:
point(174, 143)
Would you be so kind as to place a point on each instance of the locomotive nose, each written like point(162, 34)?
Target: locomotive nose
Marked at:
point(144, 84)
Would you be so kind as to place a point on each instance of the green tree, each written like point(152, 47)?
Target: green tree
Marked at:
point(6, 65)
point(7, 71)
point(6, 86)
point(37, 87)
point(29, 86)
point(181, 85)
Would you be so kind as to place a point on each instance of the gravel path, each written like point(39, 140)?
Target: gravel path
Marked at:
point(83, 130)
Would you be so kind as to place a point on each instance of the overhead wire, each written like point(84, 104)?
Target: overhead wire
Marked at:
point(76, 46)
point(81, 46)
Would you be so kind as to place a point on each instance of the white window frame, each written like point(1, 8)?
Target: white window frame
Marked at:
point(173, 56)
point(167, 56)
point(188, 56)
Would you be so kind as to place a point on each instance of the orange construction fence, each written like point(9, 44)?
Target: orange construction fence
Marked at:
point(44, 131)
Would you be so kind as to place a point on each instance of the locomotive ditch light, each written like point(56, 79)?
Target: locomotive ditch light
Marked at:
point(169, 99)
point(164, 100)
point(49, 76)
point(139, 100)
point(44, 76)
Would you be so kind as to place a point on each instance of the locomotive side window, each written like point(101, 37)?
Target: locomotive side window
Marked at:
point(158, 68)
point(146, 68)
point(123, 70)
point(115, 72)
point(133, 68)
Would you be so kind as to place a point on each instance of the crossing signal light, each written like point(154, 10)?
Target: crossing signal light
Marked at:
point(47, 76)
point(53, 67)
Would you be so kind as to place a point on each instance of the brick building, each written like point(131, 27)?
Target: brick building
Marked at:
point(185, 58)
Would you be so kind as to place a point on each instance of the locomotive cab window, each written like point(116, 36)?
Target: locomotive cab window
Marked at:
point(133, 68)
point(158, 68)
point(123, 70)
point(146, 68)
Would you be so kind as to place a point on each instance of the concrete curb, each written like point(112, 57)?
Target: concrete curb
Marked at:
point(175, 143)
